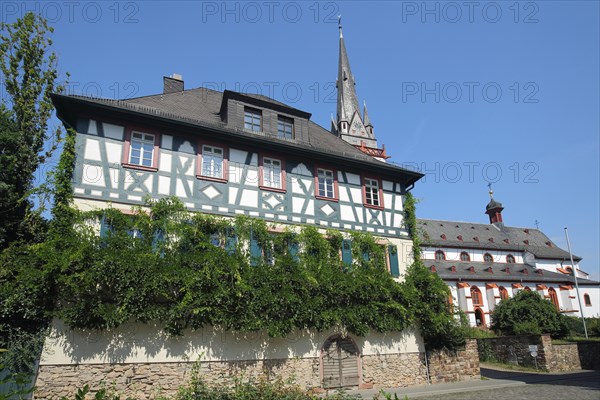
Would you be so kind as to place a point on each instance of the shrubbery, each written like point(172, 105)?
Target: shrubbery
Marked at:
point(528, 313)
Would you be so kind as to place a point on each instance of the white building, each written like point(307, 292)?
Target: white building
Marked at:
point(483, 264)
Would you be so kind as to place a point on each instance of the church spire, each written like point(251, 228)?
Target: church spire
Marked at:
point(353, 127)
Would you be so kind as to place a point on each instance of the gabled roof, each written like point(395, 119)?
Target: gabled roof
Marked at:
point(200, 109)
point(468, 235)
point(497, 272)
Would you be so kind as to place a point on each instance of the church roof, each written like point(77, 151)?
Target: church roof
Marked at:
point(498, 272)
point(436, 233)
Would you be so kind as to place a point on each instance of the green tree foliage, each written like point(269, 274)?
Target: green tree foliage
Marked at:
point(428, 295)
point(528, 313)
point(29, 73)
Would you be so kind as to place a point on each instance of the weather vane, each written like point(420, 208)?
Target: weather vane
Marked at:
point(340, 21)
point(491, 191)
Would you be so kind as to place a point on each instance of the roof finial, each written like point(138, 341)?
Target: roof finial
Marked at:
point(340, 25)
point(491, 192)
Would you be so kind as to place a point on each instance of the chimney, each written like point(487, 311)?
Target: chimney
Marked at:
point(172, 84)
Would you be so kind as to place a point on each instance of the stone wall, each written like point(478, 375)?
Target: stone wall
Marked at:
point(393, 370)
point(550, 357)
point(514, 350)
point(146, 381)
point(589, 354)
point(462, 365)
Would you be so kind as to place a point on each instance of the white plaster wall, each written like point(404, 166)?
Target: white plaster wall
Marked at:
point(476, 255)
point(594, 309)
point(139, 343)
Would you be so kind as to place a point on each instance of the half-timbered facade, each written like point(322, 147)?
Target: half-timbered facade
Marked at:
point(483, 264)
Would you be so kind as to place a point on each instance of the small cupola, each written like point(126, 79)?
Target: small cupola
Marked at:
point(494, 209)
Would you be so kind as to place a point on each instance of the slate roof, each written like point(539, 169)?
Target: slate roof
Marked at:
point(201, 107)
point(436, 233)
point(516, 273)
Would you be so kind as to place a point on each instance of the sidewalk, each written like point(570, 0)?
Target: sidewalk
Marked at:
point(495, 379)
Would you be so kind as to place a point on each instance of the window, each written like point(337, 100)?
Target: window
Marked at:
point(212, 162)
point(586, 300)
point(553, 298)
point(285, 127)
point(372, 193)
point(510, 259)
point(252, 119)
point(464, 256)
point(141, 150)
point(487, 257)
point(503, 293)
point(272, 174)
point(476, 296)
point(526, 289)
point(439, 255)
point(326, 183)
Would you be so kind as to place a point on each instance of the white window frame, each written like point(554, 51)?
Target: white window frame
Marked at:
point(143, 144)
point(272, 173)
point(322, 179)
point(372, 188)
point(212, 162)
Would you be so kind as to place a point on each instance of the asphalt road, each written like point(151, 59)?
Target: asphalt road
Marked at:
point(505, 385)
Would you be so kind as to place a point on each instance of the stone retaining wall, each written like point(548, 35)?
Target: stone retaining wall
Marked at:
point(550, 357)
point(455, 366)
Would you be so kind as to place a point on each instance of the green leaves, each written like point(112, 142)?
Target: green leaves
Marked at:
point(528, 313)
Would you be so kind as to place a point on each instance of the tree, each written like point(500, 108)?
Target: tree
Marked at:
point(427, 295)
point(528, 313)
point(29, 74)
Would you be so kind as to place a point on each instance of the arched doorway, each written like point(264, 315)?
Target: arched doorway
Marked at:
point(479, 317)
point(339, 363)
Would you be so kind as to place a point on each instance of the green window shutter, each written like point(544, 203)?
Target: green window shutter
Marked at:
point(347, 252)
point(255, 252)
point(104, 226)
point(393, 255)
point(230, 244)
point(157, 239)
point(293, 251)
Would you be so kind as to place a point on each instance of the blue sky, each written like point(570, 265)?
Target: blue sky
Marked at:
point(506, 92)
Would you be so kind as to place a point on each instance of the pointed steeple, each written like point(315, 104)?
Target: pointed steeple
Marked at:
point(352, 126)
point(366, 118)
point(347, 99)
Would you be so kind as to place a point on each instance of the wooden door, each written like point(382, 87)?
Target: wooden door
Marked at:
point(340, 363)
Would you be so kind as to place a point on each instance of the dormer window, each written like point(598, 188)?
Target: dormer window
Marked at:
point(252, 119)
point(464, 256)
point(510, 259)
point(487, 257)
point(440, 255)
point(285, 127)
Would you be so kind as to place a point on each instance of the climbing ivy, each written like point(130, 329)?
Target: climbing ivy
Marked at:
point(428, 294)
point(185, 270)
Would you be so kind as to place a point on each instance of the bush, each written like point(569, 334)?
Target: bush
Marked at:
point(575, 326)
point(528, 313)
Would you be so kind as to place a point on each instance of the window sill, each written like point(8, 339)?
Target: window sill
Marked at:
point(272, 189)
point(211, 178)
point(326, 198)
point(373, 207)
point(139, 167)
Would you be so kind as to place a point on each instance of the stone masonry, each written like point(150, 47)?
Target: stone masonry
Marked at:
point(457, 366)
